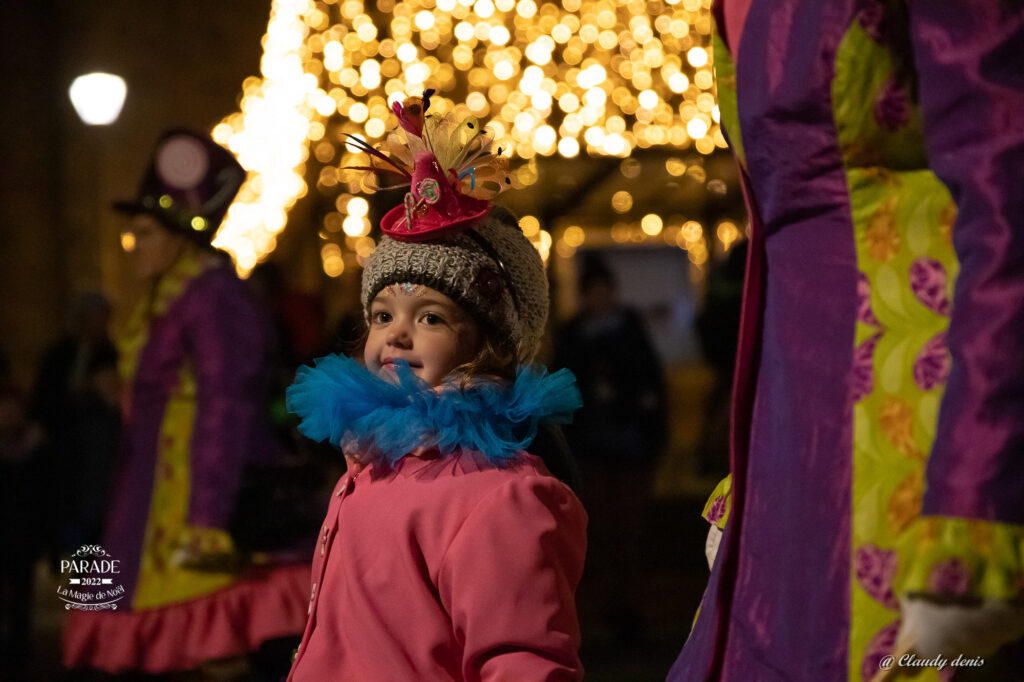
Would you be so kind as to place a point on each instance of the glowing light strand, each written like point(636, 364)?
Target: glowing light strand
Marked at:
point(596, 76)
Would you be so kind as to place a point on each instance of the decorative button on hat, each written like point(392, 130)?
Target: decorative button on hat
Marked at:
point(189, 185)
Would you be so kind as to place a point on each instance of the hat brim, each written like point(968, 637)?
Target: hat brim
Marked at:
point(129, 206)
point(430, 226)
point(133, 209)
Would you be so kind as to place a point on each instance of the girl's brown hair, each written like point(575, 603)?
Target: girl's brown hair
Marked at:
point(495, 359)
point(498, 360)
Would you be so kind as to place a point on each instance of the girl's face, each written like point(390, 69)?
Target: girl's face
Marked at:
point(156, 247)
point(422, 326)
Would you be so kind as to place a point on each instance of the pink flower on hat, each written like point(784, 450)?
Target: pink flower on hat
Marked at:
point(410, 113)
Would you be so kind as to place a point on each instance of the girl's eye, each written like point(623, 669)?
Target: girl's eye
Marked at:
point(432, 319)
point(381, 317)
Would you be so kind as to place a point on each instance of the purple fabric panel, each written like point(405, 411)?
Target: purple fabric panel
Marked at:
point(784, 94)
point(694, 661)
point(970, 62)
point(157, 375)
point(227, 338)
point(790, 612)
point(125, 525)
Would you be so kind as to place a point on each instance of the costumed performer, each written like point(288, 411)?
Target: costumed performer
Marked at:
point(193, 357)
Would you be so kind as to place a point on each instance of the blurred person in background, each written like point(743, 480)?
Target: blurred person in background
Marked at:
point(283, 504)
point(616, 436)
point(194, 359)
point(21, 529)
point(299, 329)
point(77, 402)
point(718, 328)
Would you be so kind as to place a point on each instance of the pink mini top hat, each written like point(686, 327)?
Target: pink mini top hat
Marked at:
point(448, 165)
point(433, 206)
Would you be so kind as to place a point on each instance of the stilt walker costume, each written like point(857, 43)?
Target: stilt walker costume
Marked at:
point(879, 411)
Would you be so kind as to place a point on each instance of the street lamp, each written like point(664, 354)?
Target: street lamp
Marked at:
point(98, 97)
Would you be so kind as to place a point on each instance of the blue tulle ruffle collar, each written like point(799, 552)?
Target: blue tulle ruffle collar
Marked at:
point(340, 401)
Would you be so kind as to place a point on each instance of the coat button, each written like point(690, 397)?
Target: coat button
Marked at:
point(312, 596)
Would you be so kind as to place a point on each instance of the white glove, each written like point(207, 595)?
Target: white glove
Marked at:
point(931, 629)
point(711, 544)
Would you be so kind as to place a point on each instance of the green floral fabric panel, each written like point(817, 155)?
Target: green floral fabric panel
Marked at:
point(725, 82)
point(902, 218)
point(878, 121)
point(907, 270)
point(719, 503)
point(962, 559)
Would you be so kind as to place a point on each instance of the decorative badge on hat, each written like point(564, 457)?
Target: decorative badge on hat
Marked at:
point(448, 165)
point(181, 161)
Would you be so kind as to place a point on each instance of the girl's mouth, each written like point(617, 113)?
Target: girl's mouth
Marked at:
point(391, 363)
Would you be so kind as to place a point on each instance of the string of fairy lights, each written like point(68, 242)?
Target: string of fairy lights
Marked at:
point(595, 77)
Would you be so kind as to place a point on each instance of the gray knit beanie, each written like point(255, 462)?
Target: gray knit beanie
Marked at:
point(491, 269)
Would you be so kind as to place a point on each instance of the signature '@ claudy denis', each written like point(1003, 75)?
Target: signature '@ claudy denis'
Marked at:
point(939, 662)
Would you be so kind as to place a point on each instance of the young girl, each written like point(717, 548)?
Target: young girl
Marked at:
point(448, 551)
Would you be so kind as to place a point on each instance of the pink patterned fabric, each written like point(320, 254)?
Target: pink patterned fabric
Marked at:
point(862, 379)
point(892, 108)
point(717, 510)
point(876, 569)
point(882, 644)
point(181, 636)
point(932, 364)
point(950, 578)
point(871, 18)
point(864, 313)
point(928, 282)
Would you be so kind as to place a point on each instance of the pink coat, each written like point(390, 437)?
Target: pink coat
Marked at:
point(446, 569)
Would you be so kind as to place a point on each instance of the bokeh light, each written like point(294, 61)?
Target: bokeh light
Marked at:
point(576, 77)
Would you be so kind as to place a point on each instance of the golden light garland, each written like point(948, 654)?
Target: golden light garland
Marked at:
point(600, 77)
point(652, 229)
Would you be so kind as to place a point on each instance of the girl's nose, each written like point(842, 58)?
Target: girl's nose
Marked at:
point(398, 335)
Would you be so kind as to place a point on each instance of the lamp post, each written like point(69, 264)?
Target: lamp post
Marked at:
point(97, 99)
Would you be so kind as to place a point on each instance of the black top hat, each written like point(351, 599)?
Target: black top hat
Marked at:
point(188, 186)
